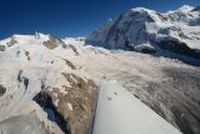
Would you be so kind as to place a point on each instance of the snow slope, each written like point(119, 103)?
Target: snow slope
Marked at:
point(119, 112)
point(149, 31)
point(56, 82)
point(38, 77)
point(22, 125)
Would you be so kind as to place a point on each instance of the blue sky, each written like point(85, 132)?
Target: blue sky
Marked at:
point(69, 17)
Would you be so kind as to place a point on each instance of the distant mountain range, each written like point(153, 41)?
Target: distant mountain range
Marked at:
point(149, 31)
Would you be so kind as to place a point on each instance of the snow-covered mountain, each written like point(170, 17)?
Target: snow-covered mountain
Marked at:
point(149, 31)
point(41, 90)
point(51, 85)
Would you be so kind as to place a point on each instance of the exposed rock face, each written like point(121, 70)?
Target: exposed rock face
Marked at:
point(78, 105)
point(70, 64)
point(2, 48)
point(179, 47)
point(53, 43)
point(12, 42)
point(2, 90)
point(73, 111)
point(27, 55)
point(74, 49)
point(45, 101)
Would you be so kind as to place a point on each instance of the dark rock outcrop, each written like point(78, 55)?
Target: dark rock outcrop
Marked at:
point(178, 47)
point(2, 48)
point(45, 101)
point(74, 110)
point(2, 90)
point(53, 43)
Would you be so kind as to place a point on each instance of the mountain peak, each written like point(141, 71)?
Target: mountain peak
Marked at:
point(141, 9)
point(145, 26)
point(185, 8)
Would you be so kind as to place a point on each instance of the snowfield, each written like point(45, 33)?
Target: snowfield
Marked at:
point(36, 79)
point(119, 112)
point(52, 85)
